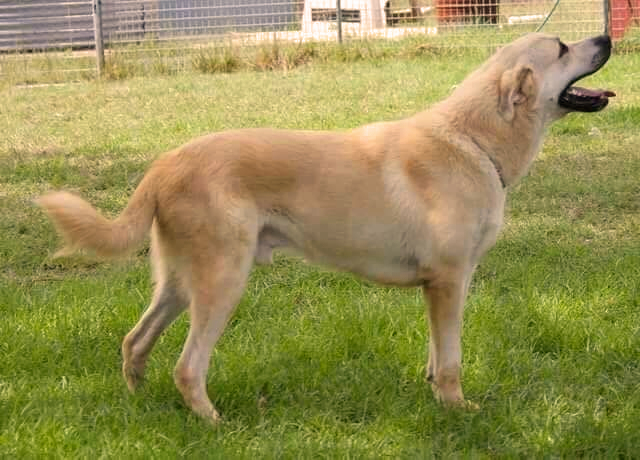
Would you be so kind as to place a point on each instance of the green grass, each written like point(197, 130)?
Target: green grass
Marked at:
point(212, 56)
point(552, 324)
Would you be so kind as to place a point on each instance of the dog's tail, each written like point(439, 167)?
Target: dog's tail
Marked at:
point(82, 227)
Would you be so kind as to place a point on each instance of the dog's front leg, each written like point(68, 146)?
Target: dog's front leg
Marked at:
point(445, 304)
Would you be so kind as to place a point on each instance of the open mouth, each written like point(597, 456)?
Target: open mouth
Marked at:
point(583, 99)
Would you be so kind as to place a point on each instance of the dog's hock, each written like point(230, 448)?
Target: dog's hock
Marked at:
point(517, 85)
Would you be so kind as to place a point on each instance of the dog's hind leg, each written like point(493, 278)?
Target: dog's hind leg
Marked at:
point(218, 280)
point(169, 300)
point(165, 307)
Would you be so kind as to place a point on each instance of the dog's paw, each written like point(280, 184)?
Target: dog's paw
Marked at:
point(452, 398)
point(216, 419)
point(471, 406)
point(464, 405)
point(211, 416)
point(132, 375)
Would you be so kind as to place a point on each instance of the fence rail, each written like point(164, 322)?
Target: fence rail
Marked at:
point(59, 36)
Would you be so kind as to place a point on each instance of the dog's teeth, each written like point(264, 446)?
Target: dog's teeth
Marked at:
point(578, 91)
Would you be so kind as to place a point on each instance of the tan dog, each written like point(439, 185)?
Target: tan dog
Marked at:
point(414, 202)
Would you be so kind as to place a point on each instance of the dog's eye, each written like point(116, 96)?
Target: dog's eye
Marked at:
point(563, 50)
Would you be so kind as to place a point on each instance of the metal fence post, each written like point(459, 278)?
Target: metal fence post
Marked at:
point(607, 19)
point(339, 20)
point(97, 31)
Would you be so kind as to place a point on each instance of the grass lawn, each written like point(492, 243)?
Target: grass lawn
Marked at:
point(317, 363)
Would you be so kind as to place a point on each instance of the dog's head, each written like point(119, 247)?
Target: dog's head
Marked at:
point(537, 71)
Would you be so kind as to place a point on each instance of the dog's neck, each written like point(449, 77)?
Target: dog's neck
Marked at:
point(511, 146)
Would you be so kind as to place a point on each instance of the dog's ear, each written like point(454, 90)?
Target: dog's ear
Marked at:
point(517, 85)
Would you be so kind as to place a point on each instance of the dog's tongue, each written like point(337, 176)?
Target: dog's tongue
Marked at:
point(594, 93)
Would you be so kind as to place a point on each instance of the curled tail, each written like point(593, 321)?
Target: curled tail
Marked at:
point(82, 227)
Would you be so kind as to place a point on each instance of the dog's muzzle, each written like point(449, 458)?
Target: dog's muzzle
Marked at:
point(580, 99)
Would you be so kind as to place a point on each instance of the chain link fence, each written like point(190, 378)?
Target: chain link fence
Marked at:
point(62, 39)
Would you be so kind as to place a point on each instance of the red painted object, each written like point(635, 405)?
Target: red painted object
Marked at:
point(621, 14)
point(461, 11)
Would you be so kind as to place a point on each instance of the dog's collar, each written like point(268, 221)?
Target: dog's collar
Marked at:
point(493, 161)
point(498, 170)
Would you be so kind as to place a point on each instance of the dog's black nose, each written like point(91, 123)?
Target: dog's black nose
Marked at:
point(603, 41)
point(603, 45)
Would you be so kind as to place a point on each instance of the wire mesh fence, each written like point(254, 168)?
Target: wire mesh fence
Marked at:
point(259, 20)
point(37, 38)
point(57, 38)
